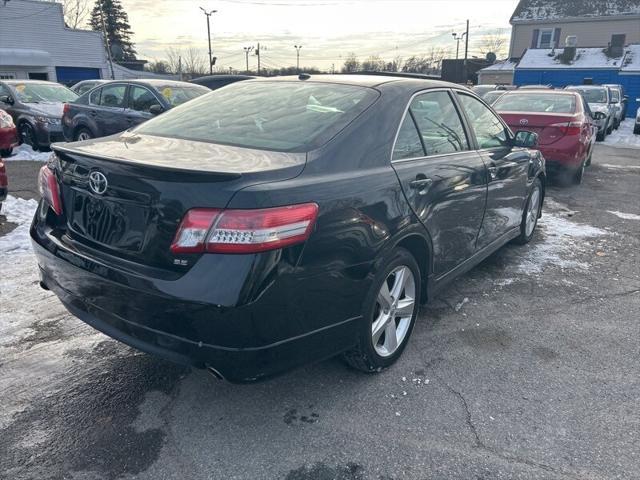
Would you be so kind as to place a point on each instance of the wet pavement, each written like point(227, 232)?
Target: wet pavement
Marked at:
point(527, 368)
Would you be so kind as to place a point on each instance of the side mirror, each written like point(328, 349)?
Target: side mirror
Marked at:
point(525, 139)
point(6, 99)
point(156, 109)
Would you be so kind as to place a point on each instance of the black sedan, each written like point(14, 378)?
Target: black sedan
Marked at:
point(277, 222)
point(119, 105)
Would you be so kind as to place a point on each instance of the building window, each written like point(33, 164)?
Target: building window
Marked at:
point(545, 39)
point(7, 75)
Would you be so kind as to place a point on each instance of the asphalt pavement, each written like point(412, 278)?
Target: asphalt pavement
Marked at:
point(528, 367)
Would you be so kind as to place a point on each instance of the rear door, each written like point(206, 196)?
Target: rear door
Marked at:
point(110, 114)
point(139, 102)
point(507, 169)
point(442, 177)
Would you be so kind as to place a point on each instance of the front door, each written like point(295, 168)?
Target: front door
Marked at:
point(442, 177)
point(141, 99)
point(507, 170)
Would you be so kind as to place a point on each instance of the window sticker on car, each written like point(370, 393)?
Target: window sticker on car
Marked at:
point(20, 88)
point(167, 93)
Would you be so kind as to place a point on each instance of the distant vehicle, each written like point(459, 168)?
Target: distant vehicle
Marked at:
point(214, 82)
point(636, 127)
point(277, 222)
point(492, 96)
point(564, 126)
point(4, 183)
point(617, 103)
point(599, 99)
point(36, 108)
point(119, 105)
point(535, 87)
point(8, 134)
point(624, 99)
point(85, 85)
point(482, 90)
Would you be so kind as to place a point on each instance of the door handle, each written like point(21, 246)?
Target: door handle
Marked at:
point(421, 183)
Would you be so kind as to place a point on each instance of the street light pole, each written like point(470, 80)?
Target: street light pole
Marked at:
point(297, 47)
point(247, 50)
point(208, 14)
point(457, 37)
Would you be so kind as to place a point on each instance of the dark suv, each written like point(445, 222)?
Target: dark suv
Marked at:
point(118, 105)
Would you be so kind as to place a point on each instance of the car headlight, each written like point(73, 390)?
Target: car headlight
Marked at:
point(5, 120)
point(49, 120)
point(599, 116)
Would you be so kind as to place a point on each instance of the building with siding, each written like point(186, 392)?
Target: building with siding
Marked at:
point(35, 43)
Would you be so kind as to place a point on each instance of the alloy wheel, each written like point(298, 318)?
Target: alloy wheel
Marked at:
point(532, 210)
point(395, 305)
point(84, 135)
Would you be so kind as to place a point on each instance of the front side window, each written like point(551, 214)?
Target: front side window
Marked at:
point(489, 130)
point(141, 99)
point(438, 123)
point(545, 39)
point(615, 96)
point(272, 115)
point(113, 96)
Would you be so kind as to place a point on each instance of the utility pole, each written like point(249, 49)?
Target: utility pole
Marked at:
point(208, 14)
point(466, 53)
point(258, 55)
point(106, 39)
point(297, 47)
point(247, 50)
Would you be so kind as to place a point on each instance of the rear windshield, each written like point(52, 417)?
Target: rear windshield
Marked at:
point(593, 95)
point(43, 93)
point(284, 116)
point(178, 94)
point(536, 102)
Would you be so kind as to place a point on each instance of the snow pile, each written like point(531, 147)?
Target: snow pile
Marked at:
point(562, 242)
point(587, 58)
point(624, 137)
point(25, 152)
point(19, 211)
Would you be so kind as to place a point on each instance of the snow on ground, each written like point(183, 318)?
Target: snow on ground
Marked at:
point(25, 152)
point(19, 211)
point(561, 243)
point(625, 216)
point(624, 137)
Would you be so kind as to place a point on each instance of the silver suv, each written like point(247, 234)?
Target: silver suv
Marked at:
point(36, 107)
point(599, 99)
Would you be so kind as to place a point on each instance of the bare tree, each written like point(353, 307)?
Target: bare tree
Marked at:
point(373, 64)
point(495, 42)
point(194, 63)
point(76, 12)
point(158, 66)
point(174, 56)
point(351, 64)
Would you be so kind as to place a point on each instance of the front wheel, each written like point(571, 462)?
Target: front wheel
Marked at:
point(389, 313)
point(28, 136)
point(531, 213)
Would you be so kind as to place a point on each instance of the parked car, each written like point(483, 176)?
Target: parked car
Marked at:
point(214, 82)
point(120, 105)
point(562, 121)
point(281, 221)
point(36, 109)
point(598, 99)
point(492, 96)
point(535, 87)
point(4, 183)
point(624, 99)
point(8, 134)
point(636, 126)
point(482, 90)
point(85, 85)
point(617, 104)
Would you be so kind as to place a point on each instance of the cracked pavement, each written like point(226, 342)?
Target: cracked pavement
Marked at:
point(526, 368)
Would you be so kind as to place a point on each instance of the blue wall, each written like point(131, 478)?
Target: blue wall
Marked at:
point(561, 78)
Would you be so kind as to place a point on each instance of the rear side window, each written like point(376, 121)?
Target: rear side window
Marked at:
point(438, 123)
point(113, 96)
point(283, 116)
point(536, 102)
point(94, 98)
point(408, 143)
point(489, 130)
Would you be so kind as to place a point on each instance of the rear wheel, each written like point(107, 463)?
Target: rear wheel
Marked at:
point(390, 310)
point(531, 213)
point(579, 174)
point(636, 130)
point(6, 152)
point(588, 161)
point(601, 136)
point(83, 134)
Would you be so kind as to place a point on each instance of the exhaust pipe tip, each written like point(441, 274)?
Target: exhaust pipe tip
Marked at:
point(214, 372)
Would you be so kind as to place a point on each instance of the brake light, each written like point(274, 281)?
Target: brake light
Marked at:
point(568, 128)
point(65, 108)
point(244, 231)
point(49, 191)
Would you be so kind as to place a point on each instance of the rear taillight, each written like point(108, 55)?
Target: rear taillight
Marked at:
point(244, 231)
point(49, 191)
point(65, 108)
point(568, 128)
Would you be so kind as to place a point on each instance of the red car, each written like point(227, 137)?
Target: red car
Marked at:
point(563, 122)
point(8, 134)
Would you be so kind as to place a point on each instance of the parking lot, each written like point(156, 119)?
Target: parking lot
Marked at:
point(527, 368)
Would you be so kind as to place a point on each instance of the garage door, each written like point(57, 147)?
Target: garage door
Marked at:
point(71, 75)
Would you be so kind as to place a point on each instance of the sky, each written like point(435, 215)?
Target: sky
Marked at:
point(328, 30)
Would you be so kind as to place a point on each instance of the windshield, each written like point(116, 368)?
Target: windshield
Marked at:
point(178, 94)
point(285, 116)
point(536, 102)
point(593, 95)
point(43, 92)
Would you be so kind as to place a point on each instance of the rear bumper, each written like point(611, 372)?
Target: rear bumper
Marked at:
point(565, 153)
point(292, 322)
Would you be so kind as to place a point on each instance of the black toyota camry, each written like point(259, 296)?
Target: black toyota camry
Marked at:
point(282, 221)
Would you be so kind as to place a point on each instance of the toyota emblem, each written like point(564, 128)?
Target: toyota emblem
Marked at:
point(524, 121)
point(98, 182)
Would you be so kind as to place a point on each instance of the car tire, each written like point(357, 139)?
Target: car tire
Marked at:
point(588, 161)
point(531, 213)
point(377, 350)
point(83, 134)
point(610, 129)
point(636, 130)
point(601, 136)
point(578, 175)
point(28, 136)
point(6, 152)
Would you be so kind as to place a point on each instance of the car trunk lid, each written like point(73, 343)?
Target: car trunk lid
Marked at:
point(550, 128)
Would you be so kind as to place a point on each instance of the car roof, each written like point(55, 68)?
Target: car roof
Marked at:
point(585, 86)
point(362, 80)
point(13, 81)
point(546, 91)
